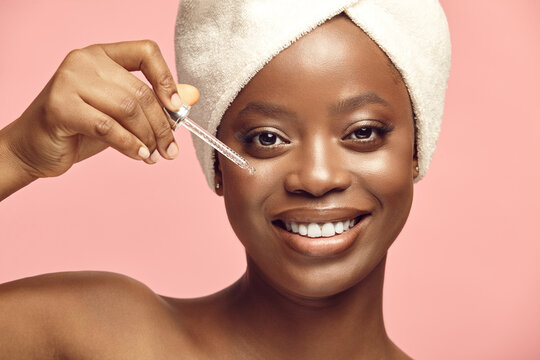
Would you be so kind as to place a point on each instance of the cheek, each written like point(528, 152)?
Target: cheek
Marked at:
point(388, 177)
point(245, 196)
point(388, 172)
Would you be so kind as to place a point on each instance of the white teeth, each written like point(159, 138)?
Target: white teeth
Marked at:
point(338, 227)
point(317, 230)
point(302, 229)
point(313, 230)
point(328, 230)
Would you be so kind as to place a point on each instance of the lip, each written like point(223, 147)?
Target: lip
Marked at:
point(321, 247)
point(304, 215)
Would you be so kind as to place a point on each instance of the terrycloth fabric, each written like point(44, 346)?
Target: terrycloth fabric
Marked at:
point(222, 44)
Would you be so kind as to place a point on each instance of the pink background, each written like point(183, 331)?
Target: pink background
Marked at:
point(463, 280)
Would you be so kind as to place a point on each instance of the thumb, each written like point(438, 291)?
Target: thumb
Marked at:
point(188, 93)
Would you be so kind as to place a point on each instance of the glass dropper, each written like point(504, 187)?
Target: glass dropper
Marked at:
point(181, 118)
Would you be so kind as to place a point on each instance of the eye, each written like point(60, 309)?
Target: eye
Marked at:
point(264, 142)
point(266, 138)
point(364, 133)
point(368, 135)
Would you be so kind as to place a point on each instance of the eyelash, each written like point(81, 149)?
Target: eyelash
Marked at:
point(379, 131)
point(252, 139)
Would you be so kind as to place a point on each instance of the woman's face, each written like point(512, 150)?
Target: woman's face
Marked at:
point(328, 126)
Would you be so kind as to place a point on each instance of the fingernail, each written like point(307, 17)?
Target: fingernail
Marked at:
point(176, 102)
point(155, 156)
point(143, 152)
point(172, 150)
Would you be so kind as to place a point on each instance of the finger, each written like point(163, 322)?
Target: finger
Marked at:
point(100, 126)
point(123, 106)
point(146, 56)
point(159, 122)
point(189, 94)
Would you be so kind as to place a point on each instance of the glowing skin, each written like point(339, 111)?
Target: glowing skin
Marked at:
point(329, 127)
point(306, 100)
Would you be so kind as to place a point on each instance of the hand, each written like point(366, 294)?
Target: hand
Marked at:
point(92, 102)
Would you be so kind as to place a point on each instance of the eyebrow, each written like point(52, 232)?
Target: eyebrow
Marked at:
point(277, 111)
point(268, 109)
point(357, 102)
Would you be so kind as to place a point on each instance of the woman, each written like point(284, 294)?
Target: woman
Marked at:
point(328, 122)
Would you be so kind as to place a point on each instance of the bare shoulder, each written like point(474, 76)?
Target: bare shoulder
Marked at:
point(65, 283)
point(82, 315)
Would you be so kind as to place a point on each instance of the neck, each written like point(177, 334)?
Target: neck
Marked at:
point(348, 324)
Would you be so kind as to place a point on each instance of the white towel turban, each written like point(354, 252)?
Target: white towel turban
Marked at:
point(222, 44)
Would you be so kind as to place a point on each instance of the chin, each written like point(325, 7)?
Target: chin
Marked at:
point(318, 281)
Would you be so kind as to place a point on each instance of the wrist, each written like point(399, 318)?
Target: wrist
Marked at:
point(14, 173)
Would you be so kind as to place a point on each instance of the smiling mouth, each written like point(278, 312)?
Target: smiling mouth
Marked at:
point(318, 230)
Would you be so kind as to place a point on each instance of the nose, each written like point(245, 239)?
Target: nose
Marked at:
point(320, 168)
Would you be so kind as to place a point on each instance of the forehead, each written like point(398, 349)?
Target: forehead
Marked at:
point(334, 61)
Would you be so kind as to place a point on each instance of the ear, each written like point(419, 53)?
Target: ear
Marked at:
point(218, 179)
point(415, 169)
